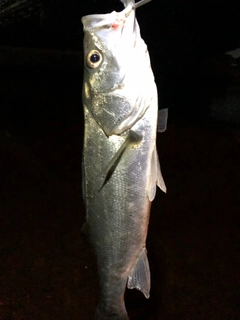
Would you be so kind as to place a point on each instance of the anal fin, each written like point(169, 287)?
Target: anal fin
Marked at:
point(139, 277)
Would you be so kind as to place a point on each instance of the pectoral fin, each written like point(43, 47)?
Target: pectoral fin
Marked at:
point(155, 178)
point(132, 138)
point(139, 277)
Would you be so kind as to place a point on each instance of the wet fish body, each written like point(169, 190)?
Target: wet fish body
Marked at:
point(120, 162)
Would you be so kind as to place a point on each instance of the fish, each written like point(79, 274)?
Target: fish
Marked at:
point(120, 168)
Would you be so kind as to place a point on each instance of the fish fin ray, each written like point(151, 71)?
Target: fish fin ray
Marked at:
point(156, 178)
point(139, 277)
point(162, 120)
point(160, 181)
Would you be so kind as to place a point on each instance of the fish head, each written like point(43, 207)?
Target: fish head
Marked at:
point(113, 56)
point(107, 40)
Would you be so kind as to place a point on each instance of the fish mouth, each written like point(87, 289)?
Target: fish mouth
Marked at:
point(113, 19)
point(109, 20)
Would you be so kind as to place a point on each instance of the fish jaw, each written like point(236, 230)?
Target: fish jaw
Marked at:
point(116, 29)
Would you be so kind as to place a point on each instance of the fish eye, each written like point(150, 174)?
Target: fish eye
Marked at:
point(94, 58)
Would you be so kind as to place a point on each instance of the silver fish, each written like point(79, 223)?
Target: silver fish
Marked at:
point(120, 161)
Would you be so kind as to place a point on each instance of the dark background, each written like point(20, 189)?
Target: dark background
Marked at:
point(47, 269)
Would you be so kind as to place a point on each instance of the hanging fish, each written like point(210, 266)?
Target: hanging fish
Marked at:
point(120, 161)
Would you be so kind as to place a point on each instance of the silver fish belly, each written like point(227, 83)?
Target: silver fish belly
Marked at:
point(120, 162)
